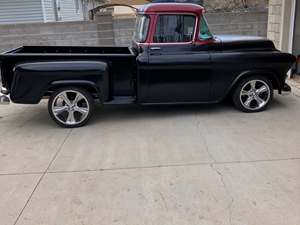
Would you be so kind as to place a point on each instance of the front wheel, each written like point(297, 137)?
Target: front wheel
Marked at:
point(71, 107)
point(253, 94)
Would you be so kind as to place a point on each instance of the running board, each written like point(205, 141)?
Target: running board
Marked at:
point(121, 100)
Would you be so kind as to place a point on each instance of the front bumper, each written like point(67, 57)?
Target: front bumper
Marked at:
point(4, 97)
point(286, 90)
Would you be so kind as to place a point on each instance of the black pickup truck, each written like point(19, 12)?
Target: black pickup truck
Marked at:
point(174, 59)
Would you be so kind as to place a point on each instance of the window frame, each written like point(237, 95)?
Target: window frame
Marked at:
point(175, 14)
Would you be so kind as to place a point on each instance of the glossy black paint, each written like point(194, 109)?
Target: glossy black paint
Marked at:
point(150, 73)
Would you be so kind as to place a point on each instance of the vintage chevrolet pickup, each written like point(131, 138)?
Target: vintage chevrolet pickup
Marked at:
point(174, 59)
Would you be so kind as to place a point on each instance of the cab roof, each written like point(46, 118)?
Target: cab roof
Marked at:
point(171, 8)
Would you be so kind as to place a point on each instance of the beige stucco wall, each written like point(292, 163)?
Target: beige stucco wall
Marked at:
point(280, 24)
point(275, 18)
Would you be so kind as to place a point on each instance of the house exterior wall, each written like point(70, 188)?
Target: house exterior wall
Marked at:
point(129, 2)
point(20, 11)
point(296, 43)
point(283, 25)
point(36, 11)
point(69, 11)
point(49, 10)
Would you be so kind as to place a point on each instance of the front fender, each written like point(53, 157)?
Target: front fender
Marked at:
point(273, 77)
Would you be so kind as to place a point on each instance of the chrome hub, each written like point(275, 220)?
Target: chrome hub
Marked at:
point(255, 94)
point(70, 107)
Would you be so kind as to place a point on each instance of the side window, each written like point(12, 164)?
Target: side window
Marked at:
point(174, 28)
point(205, 33)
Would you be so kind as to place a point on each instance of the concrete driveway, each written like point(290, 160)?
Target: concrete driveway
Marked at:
point(181, 165)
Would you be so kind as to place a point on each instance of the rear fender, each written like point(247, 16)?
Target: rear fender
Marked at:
point(33, 80)
point(87, 85)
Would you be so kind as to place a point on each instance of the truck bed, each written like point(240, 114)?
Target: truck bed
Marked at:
point(121, 62)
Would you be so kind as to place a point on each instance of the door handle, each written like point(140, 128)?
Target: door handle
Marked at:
point(155, 48)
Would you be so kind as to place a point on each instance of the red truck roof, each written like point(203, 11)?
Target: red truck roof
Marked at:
point(172, 7)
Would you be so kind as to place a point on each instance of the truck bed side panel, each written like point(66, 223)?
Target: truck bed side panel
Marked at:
point(32, 80)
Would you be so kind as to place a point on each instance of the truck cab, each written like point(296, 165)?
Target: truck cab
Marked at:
point(174, 40)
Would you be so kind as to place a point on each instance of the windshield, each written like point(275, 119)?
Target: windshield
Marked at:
point(141, 28)
point(205, 33)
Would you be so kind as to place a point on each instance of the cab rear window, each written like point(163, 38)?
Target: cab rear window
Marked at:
point(141, 28)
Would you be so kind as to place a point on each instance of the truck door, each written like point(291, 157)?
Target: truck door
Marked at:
point(177, 71)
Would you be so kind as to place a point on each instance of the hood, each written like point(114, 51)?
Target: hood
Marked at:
point(239, 42)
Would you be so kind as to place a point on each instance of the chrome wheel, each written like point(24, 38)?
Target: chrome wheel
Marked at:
point(255, 94)
point(70, 107)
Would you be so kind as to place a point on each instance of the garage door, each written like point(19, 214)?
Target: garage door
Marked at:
point(296, 45)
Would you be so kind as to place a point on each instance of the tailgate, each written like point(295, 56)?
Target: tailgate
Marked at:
point(3, 80)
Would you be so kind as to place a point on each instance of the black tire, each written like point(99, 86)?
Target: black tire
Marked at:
point(238, 97)
point(86, 101)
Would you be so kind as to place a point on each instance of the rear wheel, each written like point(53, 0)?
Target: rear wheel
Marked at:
point(253, 94)
point(71, 107)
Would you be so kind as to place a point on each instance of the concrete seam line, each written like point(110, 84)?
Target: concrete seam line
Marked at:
point(42, 176)
point(20, 174)
point(229, 207)
point(205, 141)
point(149, 167)
point(167, 166)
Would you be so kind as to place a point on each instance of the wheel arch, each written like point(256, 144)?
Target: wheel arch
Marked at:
point(89, 86)
point(267, 74)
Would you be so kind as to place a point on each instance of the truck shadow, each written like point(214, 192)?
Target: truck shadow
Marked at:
point(115, 113)
point(170, 109)
point(136, 112)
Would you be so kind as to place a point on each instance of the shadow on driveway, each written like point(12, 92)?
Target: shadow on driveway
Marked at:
point(115, 113)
